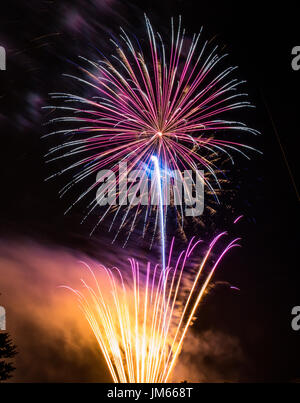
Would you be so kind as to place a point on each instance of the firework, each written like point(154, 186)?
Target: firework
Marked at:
point(140, 322)
point(167, 99)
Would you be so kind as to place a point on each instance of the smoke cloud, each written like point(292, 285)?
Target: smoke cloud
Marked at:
point(211, 356)
point(54, 340)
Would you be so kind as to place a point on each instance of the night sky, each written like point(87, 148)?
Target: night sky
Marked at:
point(241, 335)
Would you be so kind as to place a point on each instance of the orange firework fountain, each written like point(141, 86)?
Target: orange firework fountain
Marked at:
point(140, 327)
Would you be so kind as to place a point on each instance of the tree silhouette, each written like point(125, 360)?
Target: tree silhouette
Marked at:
point(7, 352)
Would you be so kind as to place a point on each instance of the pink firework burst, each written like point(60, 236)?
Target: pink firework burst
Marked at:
point(164, 99)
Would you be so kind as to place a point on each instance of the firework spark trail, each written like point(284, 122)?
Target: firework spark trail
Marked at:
point(149, 100)
point(161, 210)
point(162, 227)
point(140, 322)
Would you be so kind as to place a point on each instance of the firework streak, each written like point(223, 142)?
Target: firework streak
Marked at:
point(149, 99)
point(140, 322)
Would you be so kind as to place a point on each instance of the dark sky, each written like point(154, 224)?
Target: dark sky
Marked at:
point(41, 37)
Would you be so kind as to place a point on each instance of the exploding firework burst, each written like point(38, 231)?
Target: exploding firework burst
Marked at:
point(164, 99)
point(140, 322)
